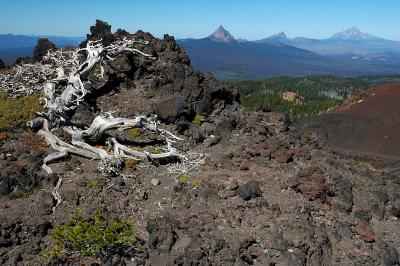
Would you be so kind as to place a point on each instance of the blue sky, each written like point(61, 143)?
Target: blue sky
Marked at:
point(250, 19)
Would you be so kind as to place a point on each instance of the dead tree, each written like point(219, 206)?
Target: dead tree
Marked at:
point(68, 72)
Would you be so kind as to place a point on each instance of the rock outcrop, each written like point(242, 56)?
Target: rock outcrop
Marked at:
point(43, 45)
point(100, 31)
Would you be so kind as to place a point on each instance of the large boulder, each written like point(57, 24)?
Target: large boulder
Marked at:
point(2, 64)
point(250, 190)
point(171, 108)
point(312, 184)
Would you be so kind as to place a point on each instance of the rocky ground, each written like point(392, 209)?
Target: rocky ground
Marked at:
point(266, 193)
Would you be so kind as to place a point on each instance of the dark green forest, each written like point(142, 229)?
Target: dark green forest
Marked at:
point(316, 94)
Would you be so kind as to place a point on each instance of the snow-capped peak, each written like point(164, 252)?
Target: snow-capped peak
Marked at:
point(353, 33)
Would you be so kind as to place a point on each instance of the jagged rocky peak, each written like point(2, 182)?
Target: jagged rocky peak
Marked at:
point(277, 38)
point(100, 31)
point(222, 35)
point(280, 36)
point(353, 33)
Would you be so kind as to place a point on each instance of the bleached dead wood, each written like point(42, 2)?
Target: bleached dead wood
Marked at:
point(99, 127)
point(55, 193)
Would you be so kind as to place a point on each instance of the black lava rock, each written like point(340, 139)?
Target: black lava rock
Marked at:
point(250, 190)
point(42, 47)
point(101, 30)
point(162, 234)
point(170, 109)
point(5, 242)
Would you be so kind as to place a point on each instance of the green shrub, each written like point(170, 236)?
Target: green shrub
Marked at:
point(184, 179)
point(94, 184)
point(196, 183)
point(21, 194)
point(197, 120)
point(87, 237)
point(16, 112)
point(151, 93)
point(134, 132)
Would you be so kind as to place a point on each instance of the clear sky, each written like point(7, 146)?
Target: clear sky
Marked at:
point(250, 19)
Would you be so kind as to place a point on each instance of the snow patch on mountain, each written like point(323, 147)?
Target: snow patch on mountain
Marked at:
point(353, 33)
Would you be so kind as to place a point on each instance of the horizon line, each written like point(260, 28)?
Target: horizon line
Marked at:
point(180, 38)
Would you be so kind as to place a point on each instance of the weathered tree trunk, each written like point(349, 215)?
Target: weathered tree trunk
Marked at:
point(73, 68)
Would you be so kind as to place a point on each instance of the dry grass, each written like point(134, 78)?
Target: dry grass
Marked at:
point(34, 141)
point(131, 163)
point(369, 167)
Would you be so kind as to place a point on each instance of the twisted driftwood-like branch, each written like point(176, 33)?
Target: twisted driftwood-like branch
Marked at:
point(98, 128)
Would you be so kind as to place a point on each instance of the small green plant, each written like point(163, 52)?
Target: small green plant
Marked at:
point(184, 179)
point(51, 252)
point(21, 194)
point(94, 184)
point(196, 183)
point(135, 132)
point(87, 237)
point(197, 120)
point(151, 93)
point(307, 136)
point(16, 112)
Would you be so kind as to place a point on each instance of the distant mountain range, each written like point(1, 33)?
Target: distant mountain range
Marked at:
point(352, 40)
point(13, 46)
point(349, 53)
